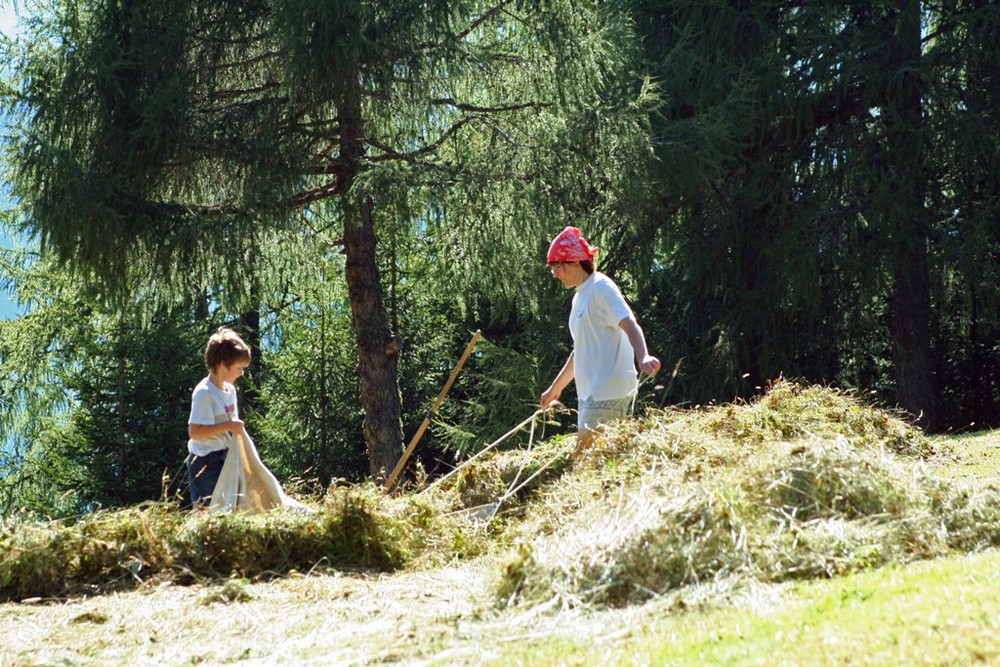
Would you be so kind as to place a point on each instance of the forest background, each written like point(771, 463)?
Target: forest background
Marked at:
point(806, 189)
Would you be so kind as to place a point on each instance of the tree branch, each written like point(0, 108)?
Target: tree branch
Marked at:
point(243, 65)
point(411, 156)
point(487, 15)
point(237, 92)
point(825, 109)
point(462, 106)
point(331, 189)
point(335, 167)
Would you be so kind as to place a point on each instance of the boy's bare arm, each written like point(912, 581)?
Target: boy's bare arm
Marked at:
point(647, 363)
point(202, 431)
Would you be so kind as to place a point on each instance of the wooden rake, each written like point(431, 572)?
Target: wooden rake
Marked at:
point(430, 415)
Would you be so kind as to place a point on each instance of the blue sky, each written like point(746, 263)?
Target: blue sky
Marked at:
point(8, 21)
point(8, 18)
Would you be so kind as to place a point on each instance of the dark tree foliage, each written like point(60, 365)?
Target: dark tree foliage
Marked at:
point(816, 201)
point(962, 105)
point(799, 188)
point(128, 438)
point(95, 401)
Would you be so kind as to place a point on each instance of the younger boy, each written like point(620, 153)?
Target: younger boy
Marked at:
point(214, 419)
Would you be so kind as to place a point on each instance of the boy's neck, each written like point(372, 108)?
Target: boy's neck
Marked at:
point(216, 378)
point(577, 275)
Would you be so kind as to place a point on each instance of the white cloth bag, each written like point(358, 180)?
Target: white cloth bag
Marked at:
point(246, 485)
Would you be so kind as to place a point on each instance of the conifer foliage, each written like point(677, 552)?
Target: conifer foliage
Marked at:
point(168, 141)
point(798, 189)
point(816, 162)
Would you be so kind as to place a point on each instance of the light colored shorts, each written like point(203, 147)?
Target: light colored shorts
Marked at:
point(591, 414)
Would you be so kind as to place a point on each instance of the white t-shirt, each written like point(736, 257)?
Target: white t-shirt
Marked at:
point(603, 359)
point(211, 405)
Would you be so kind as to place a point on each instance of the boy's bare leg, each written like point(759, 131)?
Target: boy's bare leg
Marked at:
point(584, 439)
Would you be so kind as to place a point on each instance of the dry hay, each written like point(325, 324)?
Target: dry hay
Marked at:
point(815, 478)
point(355, 528)
point(512, 475)
point(790, 410)
point(805, 482)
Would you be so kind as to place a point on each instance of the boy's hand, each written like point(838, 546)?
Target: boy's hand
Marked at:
point(549, 396)
point(649, 365)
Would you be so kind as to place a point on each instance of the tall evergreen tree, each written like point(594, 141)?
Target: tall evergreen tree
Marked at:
point(162, 136)
point(904, 208)
point(95, 401)
point(962, 126)
point(809, 154)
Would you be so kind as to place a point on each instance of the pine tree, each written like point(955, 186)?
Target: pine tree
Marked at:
point(164, 140)
point(95, 401)
point(811, 160)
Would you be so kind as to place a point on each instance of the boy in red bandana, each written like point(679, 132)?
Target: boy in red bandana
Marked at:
point(606, 340)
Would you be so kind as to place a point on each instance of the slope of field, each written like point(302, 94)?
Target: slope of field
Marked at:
point(803, 528)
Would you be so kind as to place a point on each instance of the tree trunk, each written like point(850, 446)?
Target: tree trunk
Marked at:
point(248, 326)
point(911, 332)
point(121, 455)
point(911, 315)
point(376, 342)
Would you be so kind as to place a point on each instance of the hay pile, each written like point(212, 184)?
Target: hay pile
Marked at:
point(805, 482)
point(355, 528)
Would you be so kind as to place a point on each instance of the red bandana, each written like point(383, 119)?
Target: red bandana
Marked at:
point(570, 246)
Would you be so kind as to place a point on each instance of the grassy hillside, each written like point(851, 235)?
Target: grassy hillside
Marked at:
point(805, 525)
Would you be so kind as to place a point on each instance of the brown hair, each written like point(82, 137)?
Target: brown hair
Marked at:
point(225, 347)
point(588, 266)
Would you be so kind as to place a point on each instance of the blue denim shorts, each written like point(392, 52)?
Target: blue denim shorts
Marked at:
point(591, 414)
point(203, 473)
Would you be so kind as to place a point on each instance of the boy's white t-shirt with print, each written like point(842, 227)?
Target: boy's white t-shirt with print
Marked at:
point(603, 359)
point(211, 405)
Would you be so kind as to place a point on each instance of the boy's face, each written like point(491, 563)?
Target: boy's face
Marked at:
point(570, 274)
point(232, 372)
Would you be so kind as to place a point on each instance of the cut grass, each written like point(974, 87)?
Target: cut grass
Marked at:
point(968, 457)
point(805, 482)
point(791, 526)
point(354, 529)
point(941, 612)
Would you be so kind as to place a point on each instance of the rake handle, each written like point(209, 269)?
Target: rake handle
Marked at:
point(430, 414)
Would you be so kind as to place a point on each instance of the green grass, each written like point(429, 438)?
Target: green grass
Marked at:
point(941, 612)
point(968, 457)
